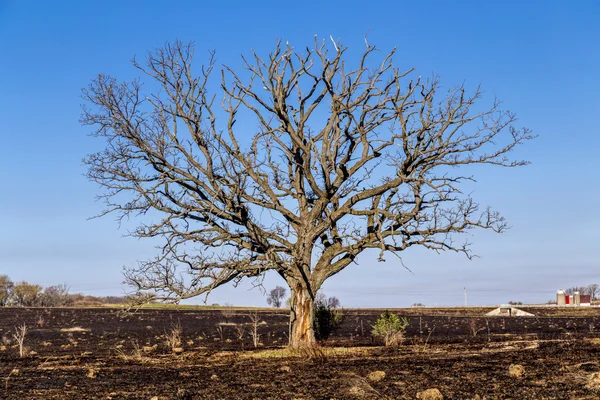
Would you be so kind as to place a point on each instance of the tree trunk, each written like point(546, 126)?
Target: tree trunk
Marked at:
point(302, 317)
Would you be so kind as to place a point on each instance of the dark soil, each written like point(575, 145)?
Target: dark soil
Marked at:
point(103, 354)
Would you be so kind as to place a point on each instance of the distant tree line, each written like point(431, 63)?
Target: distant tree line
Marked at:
point(25, 294)
point(592, 290)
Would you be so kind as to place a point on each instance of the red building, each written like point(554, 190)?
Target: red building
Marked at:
point(584, 299)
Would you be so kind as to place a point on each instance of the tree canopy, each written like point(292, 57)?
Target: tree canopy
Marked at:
point(301, 161)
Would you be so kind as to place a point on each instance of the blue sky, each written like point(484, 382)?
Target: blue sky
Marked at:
point(541, 58)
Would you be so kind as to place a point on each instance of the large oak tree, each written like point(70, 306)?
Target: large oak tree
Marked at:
point(298, 163)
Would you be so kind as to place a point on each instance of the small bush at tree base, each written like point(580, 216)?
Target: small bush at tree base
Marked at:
point(328, 317)
point(390, 328)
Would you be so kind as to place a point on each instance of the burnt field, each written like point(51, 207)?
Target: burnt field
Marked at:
point(101, 353)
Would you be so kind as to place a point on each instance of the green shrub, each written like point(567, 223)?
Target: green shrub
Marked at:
point(328, 316)
point(390, 328)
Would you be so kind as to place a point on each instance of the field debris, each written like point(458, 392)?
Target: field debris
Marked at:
point(516, 370)
point(430, 394)
point(376, 376)
point(593, 381)
point(75, 329)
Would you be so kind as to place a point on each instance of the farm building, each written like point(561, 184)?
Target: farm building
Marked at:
point(575, 299)
point(508, 311)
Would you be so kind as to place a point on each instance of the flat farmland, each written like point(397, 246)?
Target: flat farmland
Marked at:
point(230, 353)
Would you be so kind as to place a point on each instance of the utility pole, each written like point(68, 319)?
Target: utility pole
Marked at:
point(465, 291)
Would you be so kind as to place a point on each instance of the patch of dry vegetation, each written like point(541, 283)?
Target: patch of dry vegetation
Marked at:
point(74, 329)
point(301, 353)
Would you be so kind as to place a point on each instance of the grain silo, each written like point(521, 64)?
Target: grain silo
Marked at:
point(560, 297)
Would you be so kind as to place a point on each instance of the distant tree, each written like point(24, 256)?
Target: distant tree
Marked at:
point(26, 294)
point(6, 288)
point(592, 290)
point(515, 303)
point(276, 296)
point(298, 162)
point(418, 305)
point(113, 299)
point(331, 302)
point(54, 296)
point(581, 289)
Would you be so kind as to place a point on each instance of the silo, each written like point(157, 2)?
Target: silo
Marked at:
point(560, 297)
point(577, 298)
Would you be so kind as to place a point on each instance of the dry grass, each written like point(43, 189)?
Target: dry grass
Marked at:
point(75, 329)
point(327, 352)
point(12, 372)
point(360, 387)
point(594, 341)
point(134, 355)
point(173, 337)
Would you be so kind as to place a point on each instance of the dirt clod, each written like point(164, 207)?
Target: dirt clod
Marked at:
point(357, 391)
point(516, 370)
point(430, 394)
point(376, 376)
point(593, 381)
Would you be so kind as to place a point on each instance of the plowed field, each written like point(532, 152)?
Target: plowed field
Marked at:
point(105, 354)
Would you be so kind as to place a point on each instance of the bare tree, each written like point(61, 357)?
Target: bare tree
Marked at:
point(573, 289)
point(276, 296)
point(55, 296)
point(19, 336)
point(255, 322)
point(309, 160)
point(592, 290)
point(329, 302)
point(240, 333)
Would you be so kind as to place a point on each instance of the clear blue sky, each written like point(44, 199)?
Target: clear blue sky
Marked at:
point(542, 58)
